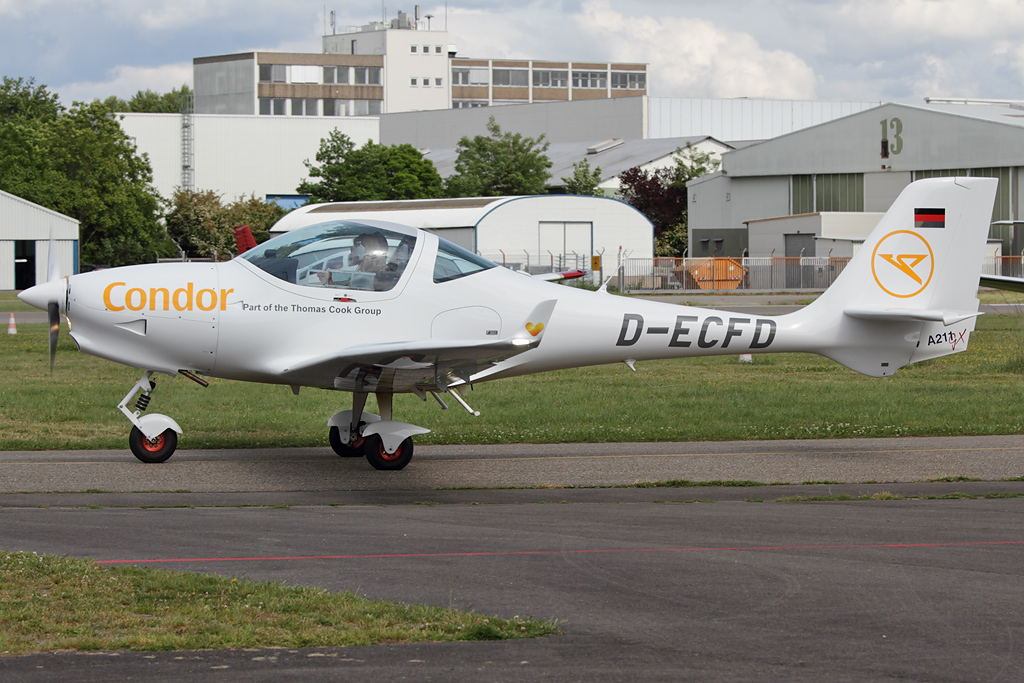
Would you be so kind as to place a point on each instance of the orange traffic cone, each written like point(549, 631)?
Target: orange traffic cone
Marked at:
point(11, 327)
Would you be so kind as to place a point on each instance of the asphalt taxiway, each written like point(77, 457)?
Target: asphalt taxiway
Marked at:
point(789, 580)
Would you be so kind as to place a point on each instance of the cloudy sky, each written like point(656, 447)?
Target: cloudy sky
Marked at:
point(874, 50)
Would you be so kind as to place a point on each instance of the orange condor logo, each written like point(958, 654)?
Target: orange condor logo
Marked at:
point(117, 298)
point(903, 264)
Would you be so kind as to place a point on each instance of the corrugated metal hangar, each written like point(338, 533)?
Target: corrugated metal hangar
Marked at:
point(528, 232)
point(25, 230)
point(855, 166)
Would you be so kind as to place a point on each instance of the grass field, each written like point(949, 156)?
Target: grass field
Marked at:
point(980, 391)
point(52, 603)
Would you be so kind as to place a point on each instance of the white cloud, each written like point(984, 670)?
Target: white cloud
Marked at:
point(696, 58)
point(125, 81)
point(918, 21)
point(686, 57)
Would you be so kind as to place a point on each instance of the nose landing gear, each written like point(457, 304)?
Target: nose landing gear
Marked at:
point(153, 437)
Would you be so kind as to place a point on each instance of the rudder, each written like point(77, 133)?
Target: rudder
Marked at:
point(910, 293)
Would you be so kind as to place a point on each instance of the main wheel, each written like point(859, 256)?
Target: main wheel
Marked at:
point(345, 450)
point(381, 459)
point(153, 450)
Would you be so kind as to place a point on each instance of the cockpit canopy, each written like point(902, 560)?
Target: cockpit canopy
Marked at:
point(337, 254)
point(356, 255)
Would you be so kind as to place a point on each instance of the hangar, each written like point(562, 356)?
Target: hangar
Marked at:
point(825, 187)
point(539, 233)
point(25, 230)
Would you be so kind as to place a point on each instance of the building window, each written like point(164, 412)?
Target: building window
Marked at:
point(305, 74)
point(426, 49)
point(412, 49)
point(304, 107)
point(828, 192)
point(273, 73)
point(590, 79)
point(334, 107)
point(439, 82)
point(512, 77)
point(468, 104)
point(336, 74)
point(413, 82)
point(273, 106)
point(471, 76)
point(550, 79)
point(367, 75)
point(437, 49)
point(629, 80)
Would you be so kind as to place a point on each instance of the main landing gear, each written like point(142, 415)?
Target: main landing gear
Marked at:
point(386, 443)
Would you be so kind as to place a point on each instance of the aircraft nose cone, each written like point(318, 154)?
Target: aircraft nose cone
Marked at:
point(41, 295)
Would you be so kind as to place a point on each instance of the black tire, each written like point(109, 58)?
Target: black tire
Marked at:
point(344, 450)
point(381, 460)
point(157, 450)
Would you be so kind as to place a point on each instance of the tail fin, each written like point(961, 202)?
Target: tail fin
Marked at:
point(910, 293)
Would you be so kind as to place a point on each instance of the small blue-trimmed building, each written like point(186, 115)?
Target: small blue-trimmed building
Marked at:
point(25, 230)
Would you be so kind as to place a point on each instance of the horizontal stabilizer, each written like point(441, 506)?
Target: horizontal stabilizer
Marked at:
point(910, 315)
point(1013, 284)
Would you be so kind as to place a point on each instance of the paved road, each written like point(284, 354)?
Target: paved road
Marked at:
point(649, 583)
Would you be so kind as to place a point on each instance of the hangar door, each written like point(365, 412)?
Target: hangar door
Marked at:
point(797, 274)
point(568, 244)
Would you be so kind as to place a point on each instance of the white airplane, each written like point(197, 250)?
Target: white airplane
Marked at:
point(374, 307)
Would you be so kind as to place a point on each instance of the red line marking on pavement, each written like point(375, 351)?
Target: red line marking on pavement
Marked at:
point(595, 551)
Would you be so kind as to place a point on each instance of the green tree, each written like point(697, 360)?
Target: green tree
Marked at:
point(499, 164)
point(584, 181)
point(196, 223)
point(344, 173)
point(107, 186)
point(79, 162)
point(661, 196)
point(149, 102)
point(202, 225)
point(259, 215)
point(25, 101)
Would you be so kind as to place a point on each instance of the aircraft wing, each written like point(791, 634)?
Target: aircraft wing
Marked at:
point(1014, 284)
point(416, 365)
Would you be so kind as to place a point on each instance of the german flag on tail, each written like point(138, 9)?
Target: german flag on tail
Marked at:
point(929, 218)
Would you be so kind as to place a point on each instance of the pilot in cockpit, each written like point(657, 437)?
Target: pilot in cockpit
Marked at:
point(369, 254)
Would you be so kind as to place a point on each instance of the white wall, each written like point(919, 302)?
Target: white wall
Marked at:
point(515, 226)
point(23, 220)
point(741, 118)
point(240, 155)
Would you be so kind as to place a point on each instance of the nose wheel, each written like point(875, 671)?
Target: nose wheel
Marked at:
point(153, 437)
point(152, 450)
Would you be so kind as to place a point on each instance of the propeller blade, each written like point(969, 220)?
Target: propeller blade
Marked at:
point(53, 313)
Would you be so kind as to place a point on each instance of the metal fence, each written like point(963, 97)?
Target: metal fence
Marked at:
point(718, 273)
point(753, 273)
point(545, 263)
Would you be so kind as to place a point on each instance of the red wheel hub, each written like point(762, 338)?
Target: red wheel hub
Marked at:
point(390, 456)
point(153, 445)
